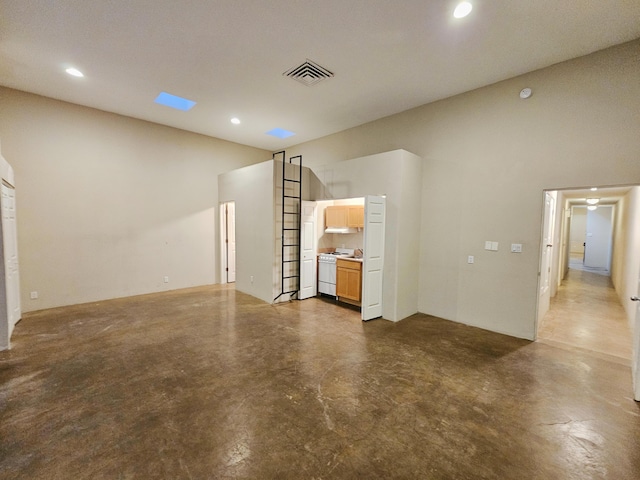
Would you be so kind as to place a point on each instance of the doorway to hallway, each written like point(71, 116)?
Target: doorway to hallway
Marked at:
point(589, 245)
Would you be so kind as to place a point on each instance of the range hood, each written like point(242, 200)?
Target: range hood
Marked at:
point(341, 230)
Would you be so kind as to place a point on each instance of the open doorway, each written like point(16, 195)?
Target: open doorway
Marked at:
point(585, 257)
point(228, 242)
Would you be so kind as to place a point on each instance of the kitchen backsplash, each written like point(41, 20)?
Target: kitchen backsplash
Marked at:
point(349, 240)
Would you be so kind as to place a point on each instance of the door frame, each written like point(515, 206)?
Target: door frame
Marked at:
point(224, 248)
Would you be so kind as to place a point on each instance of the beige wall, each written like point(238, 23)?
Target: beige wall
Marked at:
point(252, 190)
point(488, 155)
point(625, 269)
point(625, 265)
point(109, 205)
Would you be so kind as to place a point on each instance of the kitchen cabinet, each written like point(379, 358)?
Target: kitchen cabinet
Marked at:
point(335, 216)
point(344, 216)
point(355, 216)
point(349, 279)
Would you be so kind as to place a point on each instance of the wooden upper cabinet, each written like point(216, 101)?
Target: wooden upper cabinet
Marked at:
point(355, 216)
point(335, 216)
point(344, 216)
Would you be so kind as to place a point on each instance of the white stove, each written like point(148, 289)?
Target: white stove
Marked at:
point(327, 269)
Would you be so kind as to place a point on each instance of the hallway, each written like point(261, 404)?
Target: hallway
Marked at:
point(586, 314)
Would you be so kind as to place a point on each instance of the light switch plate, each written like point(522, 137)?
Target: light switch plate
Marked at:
point(492, 246)
point(516, 248)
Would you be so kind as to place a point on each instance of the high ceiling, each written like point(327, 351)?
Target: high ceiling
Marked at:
point(230, 55)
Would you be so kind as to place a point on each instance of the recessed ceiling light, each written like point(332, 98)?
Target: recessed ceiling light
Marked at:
point(280, 133)
point(592, 201)
point(462, 10)
point(593, 189)
point(174, 101)
point(235, 121)
point(592, 207)
point(74, 71)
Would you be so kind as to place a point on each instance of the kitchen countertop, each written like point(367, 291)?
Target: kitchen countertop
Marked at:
point(351, 259)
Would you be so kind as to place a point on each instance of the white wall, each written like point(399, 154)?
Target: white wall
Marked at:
point(252, 189)
point(109, 205)
point(397, 175)
point(488, 155)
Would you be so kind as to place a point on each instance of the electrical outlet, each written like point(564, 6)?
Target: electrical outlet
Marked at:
point(516, 248)
point(470, 259)
point(166, 279)
point(34, 295)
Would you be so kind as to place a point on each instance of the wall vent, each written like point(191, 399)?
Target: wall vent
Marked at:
point(309, 73)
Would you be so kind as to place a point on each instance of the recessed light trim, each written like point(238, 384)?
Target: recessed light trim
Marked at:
point(74, 72)
point(174, 101)
point(462, 10)
point(280, 133)
point(235, 121)
point(592, 201)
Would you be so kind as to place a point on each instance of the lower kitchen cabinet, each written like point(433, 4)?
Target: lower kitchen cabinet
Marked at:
point(349, 280)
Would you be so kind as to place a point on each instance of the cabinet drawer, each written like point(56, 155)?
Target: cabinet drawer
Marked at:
point(348, 264)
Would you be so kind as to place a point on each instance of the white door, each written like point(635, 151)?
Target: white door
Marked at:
point(309, 251)
point(10, 250)
point(635, 364)
point(546, 255)
point(373, 257)
point(597, 253)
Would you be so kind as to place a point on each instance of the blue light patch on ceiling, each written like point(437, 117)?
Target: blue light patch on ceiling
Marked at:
point(174, 101)
point(280, 133)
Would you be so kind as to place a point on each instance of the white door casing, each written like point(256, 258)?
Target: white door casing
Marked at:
point(635, 361)
point(231, 241)
point(373, 257)
point(308, 251)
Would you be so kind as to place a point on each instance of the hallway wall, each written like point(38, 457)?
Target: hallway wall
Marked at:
point(108, 205)
point(625, 266)
point(488, 155)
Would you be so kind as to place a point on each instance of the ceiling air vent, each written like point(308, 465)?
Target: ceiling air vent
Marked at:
point(309, 73)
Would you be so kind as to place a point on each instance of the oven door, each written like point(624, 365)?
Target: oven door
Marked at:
point(327, 278)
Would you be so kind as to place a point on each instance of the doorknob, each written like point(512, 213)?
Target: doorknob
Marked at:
point(635, 299)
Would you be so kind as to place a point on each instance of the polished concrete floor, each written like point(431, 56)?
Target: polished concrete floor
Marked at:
point(586, 313)
point(209, 383)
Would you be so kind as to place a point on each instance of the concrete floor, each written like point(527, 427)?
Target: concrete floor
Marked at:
point(208, 383)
